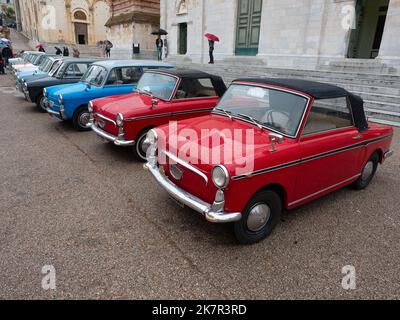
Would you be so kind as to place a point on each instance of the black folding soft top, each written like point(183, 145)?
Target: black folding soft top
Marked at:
point(217, 81)
point(319, 90)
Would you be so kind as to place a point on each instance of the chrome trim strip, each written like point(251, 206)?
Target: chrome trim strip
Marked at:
point(312, 158)
point(190, 200)
point(323, 190)
point(105, 118)
point(186, 165)
point(168, 114)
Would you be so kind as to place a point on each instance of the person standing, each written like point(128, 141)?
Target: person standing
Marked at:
point(166, 48)
point(75, 52)
point(159, 45)
point(41, 49)
point(7, 54)
point(66, 52)
point(1, 64)
point(211, 51)
point(109, 46)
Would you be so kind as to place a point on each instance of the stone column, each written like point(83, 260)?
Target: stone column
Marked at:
point(390, 46)
point(18, 15)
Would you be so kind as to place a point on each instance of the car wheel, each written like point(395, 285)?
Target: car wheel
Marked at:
point(40, 103)
point(81, 118)
point(259, 217)
point(139, 150)
point(368, 173)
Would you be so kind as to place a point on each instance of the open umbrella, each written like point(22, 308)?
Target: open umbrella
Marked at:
point(160, 32)
point(211, 37)
point(39, 46)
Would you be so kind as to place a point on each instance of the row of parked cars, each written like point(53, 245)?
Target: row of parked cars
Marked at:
point(239, 155)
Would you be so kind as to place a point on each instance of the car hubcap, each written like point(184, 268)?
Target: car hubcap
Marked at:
point(258, 217)
point(367, 172)
point(42, 103)
point(84, 119)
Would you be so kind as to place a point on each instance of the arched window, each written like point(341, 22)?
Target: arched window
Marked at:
point(80, 15)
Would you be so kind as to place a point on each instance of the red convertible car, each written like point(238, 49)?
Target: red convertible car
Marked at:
point(161, 96)
point(283, 142)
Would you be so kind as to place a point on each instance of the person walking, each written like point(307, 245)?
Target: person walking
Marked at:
point(41, 49)
point(75, 52)
point(7, 54)
point(159, 45)
point(211, 50)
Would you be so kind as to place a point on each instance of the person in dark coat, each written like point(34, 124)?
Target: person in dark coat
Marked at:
point(211, 50)
point(7, 54)
point(66, 52)
point(1, 64)
point(41, 49)
point(159, 45)
point(58, 51)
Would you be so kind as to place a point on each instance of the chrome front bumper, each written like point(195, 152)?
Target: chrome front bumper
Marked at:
point(191, 201)
point(109, 137)
point(54, 113)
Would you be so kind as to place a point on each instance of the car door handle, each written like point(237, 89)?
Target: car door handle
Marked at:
point(358, 137)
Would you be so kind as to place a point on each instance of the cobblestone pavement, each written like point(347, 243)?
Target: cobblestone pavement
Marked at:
point(91, 211)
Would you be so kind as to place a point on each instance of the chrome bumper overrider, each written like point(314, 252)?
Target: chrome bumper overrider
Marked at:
point(388, 154)
point(109, 137)
point(53, 113)
point(207, 210)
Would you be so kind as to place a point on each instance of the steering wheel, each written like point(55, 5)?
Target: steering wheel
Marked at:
point(284, 118)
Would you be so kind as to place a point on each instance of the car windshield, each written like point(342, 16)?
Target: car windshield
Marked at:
point(272, 108)
point(38, 59)
point(95, 75)
point(55, 67)
point(45, 65)
point(158, 85)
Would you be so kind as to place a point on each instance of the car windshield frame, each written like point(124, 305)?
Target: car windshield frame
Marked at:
point(221, 110)
point(55, 68)
point(90, 69)
point(176, 78)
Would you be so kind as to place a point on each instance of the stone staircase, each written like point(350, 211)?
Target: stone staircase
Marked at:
point(376, 83)
point(87, 51)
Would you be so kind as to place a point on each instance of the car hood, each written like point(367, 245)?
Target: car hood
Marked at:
point(23, 74)
point(246, 140)
point(67, 89)
point(129, 105)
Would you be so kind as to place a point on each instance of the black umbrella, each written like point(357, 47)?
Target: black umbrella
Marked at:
point(160, 32)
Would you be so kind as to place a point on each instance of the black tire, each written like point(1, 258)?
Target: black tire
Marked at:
point(39, 103)
point(248, 234)
point(138, 151)
point(368, 173)
point(80, 118)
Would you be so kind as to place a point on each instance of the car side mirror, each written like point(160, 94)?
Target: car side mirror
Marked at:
point(154, 103)
point(275, 139)
point(88, 86)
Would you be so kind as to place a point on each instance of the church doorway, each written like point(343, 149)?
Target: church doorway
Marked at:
point(365, 40)
point(248, 27)
point(182, 45)
point(81, 32)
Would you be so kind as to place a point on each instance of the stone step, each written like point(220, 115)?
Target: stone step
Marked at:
point(384, 121)
point(384, 106)
point(371, 96)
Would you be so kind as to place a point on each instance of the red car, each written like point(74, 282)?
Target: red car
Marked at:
point(161, 96)
point(283, 142)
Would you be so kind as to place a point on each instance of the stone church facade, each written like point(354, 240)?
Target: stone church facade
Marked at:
point(63, 21)
point(285, 33)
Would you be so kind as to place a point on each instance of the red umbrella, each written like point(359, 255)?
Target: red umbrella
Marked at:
point(211, 37)
point(39, 46)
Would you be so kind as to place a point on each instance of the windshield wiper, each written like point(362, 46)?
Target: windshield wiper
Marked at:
point(227, 113)
point(256, 122)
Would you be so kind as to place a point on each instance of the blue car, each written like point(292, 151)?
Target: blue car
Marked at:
point(102, 79)
point(48, 66)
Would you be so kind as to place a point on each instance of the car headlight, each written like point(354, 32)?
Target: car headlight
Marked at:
point(220, 177)
point(120, 120)
point(44, 92)
point(60, 99)
point(90, 106)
